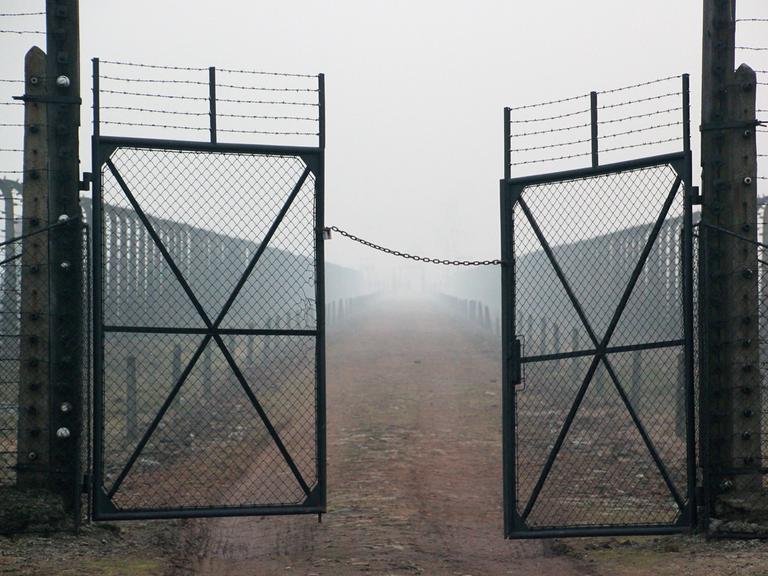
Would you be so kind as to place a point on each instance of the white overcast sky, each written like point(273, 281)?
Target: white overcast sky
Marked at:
point(415, 89)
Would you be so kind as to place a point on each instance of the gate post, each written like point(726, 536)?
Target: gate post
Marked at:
point(33, 459)
point(731, 392)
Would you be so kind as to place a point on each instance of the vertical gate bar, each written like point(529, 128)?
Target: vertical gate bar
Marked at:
point(507, 145)
point(212, 101)
point(507, 335)
point(593, 126)
point(320, 298)
point(321, 110)
point(98, 336)
point(687, 261)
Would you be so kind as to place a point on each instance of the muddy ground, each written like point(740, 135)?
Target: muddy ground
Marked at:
point(414, 471)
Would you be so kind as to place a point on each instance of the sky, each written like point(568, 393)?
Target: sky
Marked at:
point(415, 90)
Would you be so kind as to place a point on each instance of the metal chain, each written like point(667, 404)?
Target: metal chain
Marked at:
point(413, 256)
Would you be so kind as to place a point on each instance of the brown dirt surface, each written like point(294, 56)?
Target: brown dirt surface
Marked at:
point(414, 472)
point(133, 549)
point(414, 464)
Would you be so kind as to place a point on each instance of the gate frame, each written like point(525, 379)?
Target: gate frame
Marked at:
point(510, 191)
point(102, 508)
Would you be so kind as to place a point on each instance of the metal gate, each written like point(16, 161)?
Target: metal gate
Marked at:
point(209, 395)
point(598, 350)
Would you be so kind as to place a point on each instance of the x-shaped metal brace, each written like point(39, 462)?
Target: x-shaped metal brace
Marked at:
point(213, 331)
point(601, 347)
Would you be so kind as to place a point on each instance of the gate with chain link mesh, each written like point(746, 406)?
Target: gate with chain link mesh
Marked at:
point(598, 349)
point(208, 324)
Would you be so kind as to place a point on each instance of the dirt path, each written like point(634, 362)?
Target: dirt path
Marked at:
point(414, 464)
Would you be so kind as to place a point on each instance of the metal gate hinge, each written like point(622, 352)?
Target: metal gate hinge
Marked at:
point(715, 126)
point(326, 233)
point(514, 365)
point(49, 99)
point(85, 183)
point(696, 196)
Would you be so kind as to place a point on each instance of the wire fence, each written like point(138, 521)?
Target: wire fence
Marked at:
point(182, 102)
point(10, 327)
point(596, 127)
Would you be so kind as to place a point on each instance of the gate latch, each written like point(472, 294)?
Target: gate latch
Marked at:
point(514, 363)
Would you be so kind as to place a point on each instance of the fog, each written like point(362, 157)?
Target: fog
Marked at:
point(414, 92)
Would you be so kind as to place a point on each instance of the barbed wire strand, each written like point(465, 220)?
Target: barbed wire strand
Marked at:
point(21, 32)
point(203, 83)
point(413, 256)
point(639, 85)
point(207, 113)
point(207, 128)
point(547, 118)
point(197, 69)
point(10, 14)
point(639, 100)
point(201, 98)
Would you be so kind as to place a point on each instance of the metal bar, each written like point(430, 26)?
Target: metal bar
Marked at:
point(159, 243)
point(644, 435)
point(608, 350)
point(162, 144)
point(616, 167)
point(212, 101)
point(593, 126)
point(638, 530)
point(321, 110)
point(320, 366)
point(96, 105)
point(203, 331)
point(208, 512)
point(262, 246)
point(262, 414)
point(158, 417)
point(688, 312)
point(508, 330)
point(551, 256)
point(507, 146)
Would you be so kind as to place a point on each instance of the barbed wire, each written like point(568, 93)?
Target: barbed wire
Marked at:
point(202, 98)
point(551, 159)
point(11, 150)
point(11, 104)
point(10, 80)
point(583, 141)
point(264, 73)
point(664, 141)
point(11, 124)
point(207, 128)
point(757, 48)
point(639, 85)
point(639, 100)
point(644, 129)
point(751, 19)
point(21, 32)
point(548, 146)
point(551, 130)
point(11, 14)
point(547, 118)
point(549, 103)
point(643, 115)
point(408, 256)
point(204, 83)
point(198, 69)
point(155, 66)
point(207, 113)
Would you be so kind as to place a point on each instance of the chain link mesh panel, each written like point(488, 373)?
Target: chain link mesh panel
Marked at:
point(209, 383)
point(600, 422)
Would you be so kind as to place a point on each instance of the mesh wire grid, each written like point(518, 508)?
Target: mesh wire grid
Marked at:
point(604, 474)
point(211, 447)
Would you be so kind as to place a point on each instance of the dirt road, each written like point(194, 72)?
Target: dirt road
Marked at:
point(414, 464)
